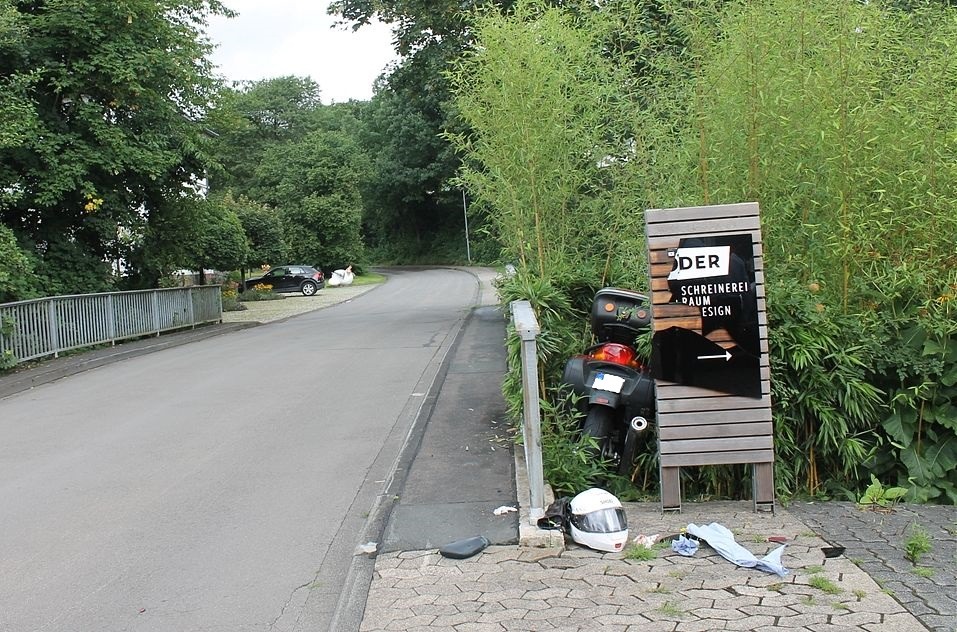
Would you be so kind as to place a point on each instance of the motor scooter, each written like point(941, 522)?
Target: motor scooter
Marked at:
point(615, 391)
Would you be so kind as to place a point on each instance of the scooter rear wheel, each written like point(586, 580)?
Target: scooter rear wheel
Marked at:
point(600, 424)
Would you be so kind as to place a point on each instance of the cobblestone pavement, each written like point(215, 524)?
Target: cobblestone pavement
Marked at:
point(875, 541)
point(513, 588)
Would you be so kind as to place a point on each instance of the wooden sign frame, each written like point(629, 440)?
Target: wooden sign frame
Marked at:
point(700, 425)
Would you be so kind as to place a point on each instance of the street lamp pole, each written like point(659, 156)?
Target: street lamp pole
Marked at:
point(465, 214)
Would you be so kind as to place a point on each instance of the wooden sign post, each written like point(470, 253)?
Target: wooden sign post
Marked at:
point(710, 344)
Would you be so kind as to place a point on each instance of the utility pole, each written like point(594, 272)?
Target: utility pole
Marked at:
point(465, 213)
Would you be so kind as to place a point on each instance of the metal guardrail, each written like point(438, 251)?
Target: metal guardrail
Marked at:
point(48, 326)
point(527, 328)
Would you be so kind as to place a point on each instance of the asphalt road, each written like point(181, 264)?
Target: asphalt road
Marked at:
point(220, 485)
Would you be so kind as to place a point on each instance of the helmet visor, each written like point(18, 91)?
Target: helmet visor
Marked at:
point(601, 521)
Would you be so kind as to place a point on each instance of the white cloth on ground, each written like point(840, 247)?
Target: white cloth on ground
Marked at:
point(721, 540)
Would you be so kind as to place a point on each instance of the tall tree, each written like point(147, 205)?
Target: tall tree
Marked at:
point(407, 193)
point(17, 112)
point(220, 242)
point(413, 207)
point(281, 147)
point(117, 93)
point(253, 117)
point(263, 228)
point(315, 185)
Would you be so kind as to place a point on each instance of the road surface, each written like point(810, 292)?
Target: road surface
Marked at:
point(221, 485)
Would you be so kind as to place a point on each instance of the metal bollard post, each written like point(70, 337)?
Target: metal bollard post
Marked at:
point(526, 325)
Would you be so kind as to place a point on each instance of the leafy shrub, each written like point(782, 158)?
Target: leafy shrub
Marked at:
point(561, 333)
point(917, 367)
point(231, 299)
point(260, 292)
point(878, 496)
point(7, 360)
point(825, 409)
point(568, 456)
point(17, 279)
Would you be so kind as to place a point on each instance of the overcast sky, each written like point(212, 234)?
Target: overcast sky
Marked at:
point(273, 38)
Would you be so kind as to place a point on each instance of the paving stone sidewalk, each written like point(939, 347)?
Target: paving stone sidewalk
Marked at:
point(875, 541)
point(510, 588)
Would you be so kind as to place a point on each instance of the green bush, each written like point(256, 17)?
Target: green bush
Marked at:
point(825, 409)
point(231, 303)
point(837, 117)
point(7, 360)
point(17, 279)
point(260, 293)
point(916, 365)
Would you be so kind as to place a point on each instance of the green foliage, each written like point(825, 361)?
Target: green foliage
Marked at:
point(324, 231)
point(917, 544)
point(824, 584)
point(878, 496)
point(825, 407)
point(412, 211)
point(280, 148)
point(815, 109)
point(568, 457)
point(545, 143)
point(103, 122)
point(260, 292)
point(837, 117)
point(192, 233)
point(17, 280)
point(220, 241)
point(231, 302)
point(7, 360)
point(559, 318)
point(918, 367)
point(253, 117)
point(263, 229)
point(417, 24)
point(7, 328)
point(834, 116)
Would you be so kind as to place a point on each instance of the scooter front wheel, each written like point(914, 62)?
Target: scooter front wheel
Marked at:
point(600, 423)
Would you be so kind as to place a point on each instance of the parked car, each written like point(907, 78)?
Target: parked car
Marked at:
point(290, 278)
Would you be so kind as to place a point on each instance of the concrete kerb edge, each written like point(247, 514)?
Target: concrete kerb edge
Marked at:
point(349, 609)
point(530, 535)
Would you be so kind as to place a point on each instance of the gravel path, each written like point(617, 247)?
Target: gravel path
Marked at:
point(295, 304)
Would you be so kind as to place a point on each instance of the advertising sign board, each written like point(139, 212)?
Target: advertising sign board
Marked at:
point(709, 347)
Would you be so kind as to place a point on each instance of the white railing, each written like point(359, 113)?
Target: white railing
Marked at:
point(49, 326)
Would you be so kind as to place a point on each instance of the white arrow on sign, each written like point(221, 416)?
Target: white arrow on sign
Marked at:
point(726, 355)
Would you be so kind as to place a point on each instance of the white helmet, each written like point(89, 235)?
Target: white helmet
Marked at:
point(598, 521)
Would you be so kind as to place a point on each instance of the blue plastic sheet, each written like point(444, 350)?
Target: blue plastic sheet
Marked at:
point(722, 540)
point(684, 546)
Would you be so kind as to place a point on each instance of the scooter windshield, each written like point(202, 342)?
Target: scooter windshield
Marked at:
point(601, 521)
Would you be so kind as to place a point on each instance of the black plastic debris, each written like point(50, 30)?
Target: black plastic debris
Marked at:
point(556, 515)
point(832, 551)
point(461, 549)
